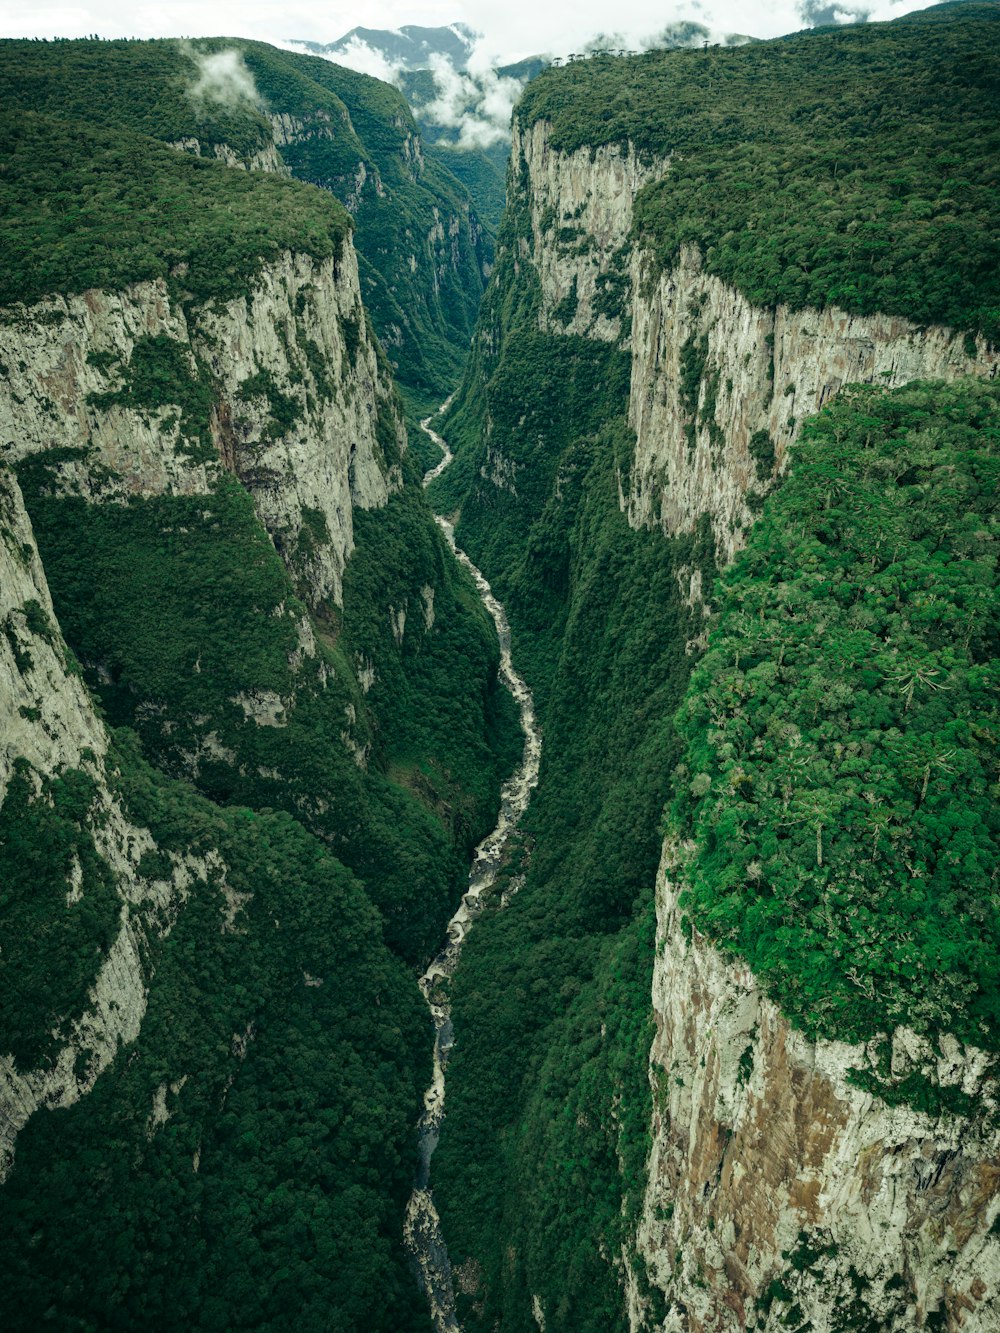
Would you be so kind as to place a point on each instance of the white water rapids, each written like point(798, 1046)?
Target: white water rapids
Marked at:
point(422, 1228)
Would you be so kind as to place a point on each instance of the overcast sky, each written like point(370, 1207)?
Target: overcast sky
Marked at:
point(512, 28)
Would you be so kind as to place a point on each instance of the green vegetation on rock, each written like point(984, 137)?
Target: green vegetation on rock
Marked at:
point(423, 252)
point(256, 1139)
point(91, 202)
point(244, 1163)
point(880, 196)
point(86, 207)
point(47, 850)
point(313, 779)
point(162, 373)
point(541, 1163)
point(539, 1173)
point(840, 778)
point(189, 630)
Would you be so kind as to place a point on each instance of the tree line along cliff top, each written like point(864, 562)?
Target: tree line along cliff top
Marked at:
point(82, 207)
point(856, 167)
point(90, 196)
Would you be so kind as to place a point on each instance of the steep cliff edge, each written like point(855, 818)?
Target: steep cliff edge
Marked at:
point(743, 1196)
point(719, 386)
point(87, 902)
point(833, 1031)
point(282, 385)
point(250, 726)
point(699, 253)
point(424, 254)
point(779, 1191)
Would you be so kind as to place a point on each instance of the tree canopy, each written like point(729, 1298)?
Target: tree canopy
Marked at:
point(839, 783)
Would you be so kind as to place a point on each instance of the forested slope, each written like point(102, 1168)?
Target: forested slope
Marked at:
point(836, 197)
point(424, 256)
point(250, 728)
point(880, 199)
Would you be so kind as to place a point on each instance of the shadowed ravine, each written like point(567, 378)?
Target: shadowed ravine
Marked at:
point(422, 1228)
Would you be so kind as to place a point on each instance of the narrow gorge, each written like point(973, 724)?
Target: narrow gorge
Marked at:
point(422, 1228)
point(720, 476)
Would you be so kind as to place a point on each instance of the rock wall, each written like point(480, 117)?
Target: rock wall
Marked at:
point(779, 1194)
point(717, 383)
point(776, 1185)
point(46, 714)
point(295, 401)
point(48, 721)
point(266, 158)
point(756, 373)
point(581, 219)
point(298, 339)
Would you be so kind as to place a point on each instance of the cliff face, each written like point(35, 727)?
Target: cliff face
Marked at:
point(718, 384)
point(295, 344)
point(581, 217)
point(250, 723)
point(775, 1183)
point(266, 158)
point(282, 386)
point(424, 255)
point(779, 1194)
point(719, 387)
point(48, 725)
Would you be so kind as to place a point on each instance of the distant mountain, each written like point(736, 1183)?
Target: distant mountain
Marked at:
point(464, 114)
point(411, 47)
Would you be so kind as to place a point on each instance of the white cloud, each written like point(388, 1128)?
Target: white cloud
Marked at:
point(477, 103)
point(366, 60)
point(514, 28)
point(454, 92)
point(222, 78)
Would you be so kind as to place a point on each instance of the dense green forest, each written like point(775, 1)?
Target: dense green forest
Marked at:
point(245, 1161)
point(350, 134)
point(882, 197)
point(540, 1170)
point(847, 698)
point(268, 1192)
point(178, 607)
point(82, 206)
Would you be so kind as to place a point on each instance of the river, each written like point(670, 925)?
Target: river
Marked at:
point(422, 1227)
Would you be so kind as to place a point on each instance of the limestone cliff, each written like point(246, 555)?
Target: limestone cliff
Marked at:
point(719, 387)
point(779, 1193)
point(581, 219)
point(77, 390)
point(266, 158)
point(48, 726)
point(777, 1185)
point(289, 394)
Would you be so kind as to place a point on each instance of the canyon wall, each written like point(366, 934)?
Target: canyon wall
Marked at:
point(281, 385)
point(779, 1193)
point(77, 391)
point(719, 387)
point(48, 727)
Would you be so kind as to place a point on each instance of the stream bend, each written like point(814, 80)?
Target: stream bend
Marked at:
point(422, 1228)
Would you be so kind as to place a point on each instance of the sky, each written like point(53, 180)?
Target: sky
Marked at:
point(512, 28)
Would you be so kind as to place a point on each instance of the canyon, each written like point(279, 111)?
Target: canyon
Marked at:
point(269, 687)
